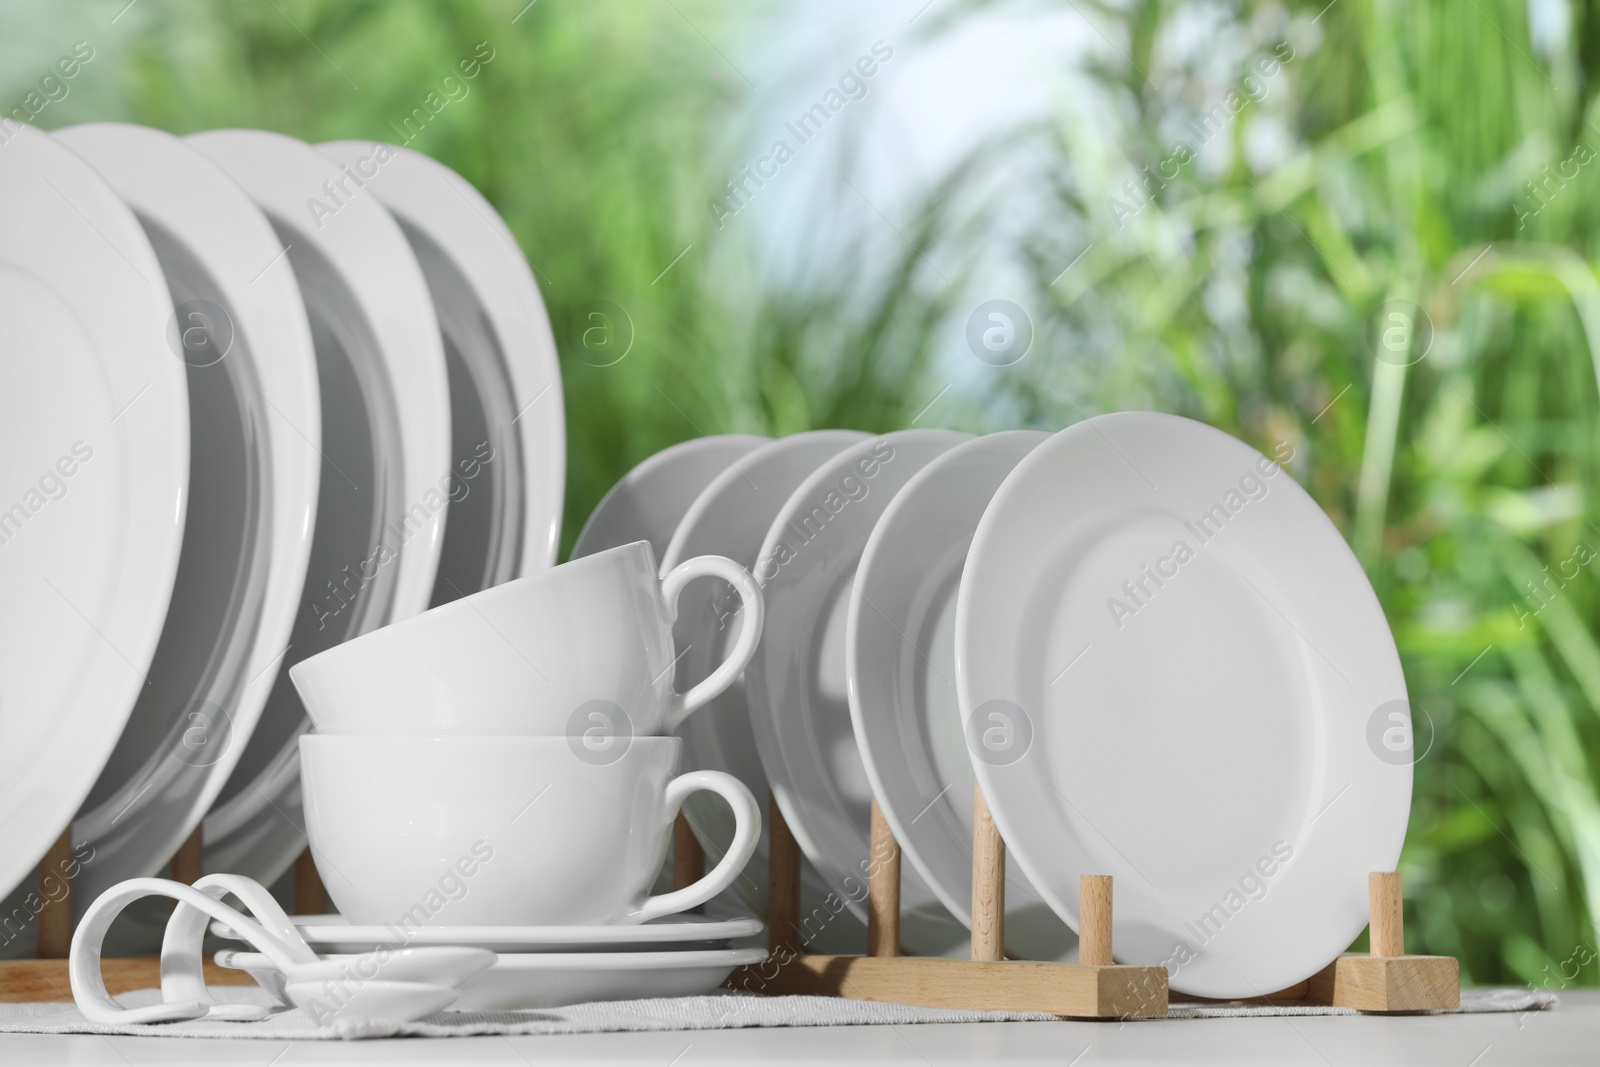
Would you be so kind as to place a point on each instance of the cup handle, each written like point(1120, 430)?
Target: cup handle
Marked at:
point(680, 705)
point(747, 828)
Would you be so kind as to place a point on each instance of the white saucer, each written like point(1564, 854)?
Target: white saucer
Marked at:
point(796, 684)
point(900, 654)
point(553, 980)
point(1197, 710)
point(331, 933)
point(94, 464)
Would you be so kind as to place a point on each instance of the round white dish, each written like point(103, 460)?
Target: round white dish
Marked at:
point(647, 502)
point(94, 458)
point(254, 422)
point(900, 661)
point(731, 518)
point(505, 379)
point(386, 446)
point(1168, 663)
point(333, 933)
point(796, 685)
point(553, 980)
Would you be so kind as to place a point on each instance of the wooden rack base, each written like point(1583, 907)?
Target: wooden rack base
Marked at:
point(1387, 980)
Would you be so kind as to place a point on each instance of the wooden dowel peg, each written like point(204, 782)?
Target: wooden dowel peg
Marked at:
point(783, 883)
point(1386, 915)
point(55, 891)
point(309, 896)
point(1386, 978)
point(188, 863)
point(1094, 920)
point(988, 883)
point(688, 855)
point(883, 882)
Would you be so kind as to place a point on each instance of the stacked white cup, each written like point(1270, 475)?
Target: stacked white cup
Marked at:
point(506, 759)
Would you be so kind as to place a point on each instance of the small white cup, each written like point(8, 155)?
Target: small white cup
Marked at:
point(582, 647)
point(505, 831)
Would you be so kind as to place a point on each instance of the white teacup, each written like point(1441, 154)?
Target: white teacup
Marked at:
point(583, 646)
point(505, 831)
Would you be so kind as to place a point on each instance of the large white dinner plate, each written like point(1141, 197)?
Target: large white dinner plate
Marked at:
point(1171, 669)
point(254, 425)
point(519, 982)
point(94, 470)
point(731, 518)
point(796, 686)
point(647, 502)
point(900, 662)
point(386, 473)
point(505, 380)
point(332, 933)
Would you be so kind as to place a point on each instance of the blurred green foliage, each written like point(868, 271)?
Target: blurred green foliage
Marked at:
point(1431, 160)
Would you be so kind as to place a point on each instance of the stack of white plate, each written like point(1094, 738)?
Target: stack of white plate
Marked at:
point(246, 382)
point(1139, 636)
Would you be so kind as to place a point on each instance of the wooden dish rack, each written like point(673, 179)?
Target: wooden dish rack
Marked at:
point(1386, 980)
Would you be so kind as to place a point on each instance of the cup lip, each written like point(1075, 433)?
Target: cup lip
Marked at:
point(314, 739)
point(332, 658)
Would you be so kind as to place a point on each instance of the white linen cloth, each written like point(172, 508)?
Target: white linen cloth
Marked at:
point(712, 1012)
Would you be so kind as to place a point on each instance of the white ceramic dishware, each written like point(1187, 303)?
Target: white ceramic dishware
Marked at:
point(731, 518)
point(94, 461)
point(647, 502)
point(1173, 671)
point(505, 380)
point(335, 933)
point(797, 686)
point(475, 831)
point(554, 980)
point(584, 647)
point(386, 474)
point(358, 988)
point(900, 661)
point(255, 424)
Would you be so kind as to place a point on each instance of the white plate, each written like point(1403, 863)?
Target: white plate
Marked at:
point(648, 501)
point(731, 518)
point(1196, 710)
point(89, 539)
point(552, 980)
point(386, 439)
point(331, 933)
point(505, 380)
point(900, 659)
point(255, 423)
point(796, 685)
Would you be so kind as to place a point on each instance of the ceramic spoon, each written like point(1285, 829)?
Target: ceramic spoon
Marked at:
point(305, 981)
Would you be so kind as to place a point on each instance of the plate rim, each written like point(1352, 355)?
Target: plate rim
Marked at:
point(776, 760)
point(879, 546)
point(157, 482)
point(288, 382)
point(494, 264)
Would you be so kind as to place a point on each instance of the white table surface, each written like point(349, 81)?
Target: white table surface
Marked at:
point(1569, 1034)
